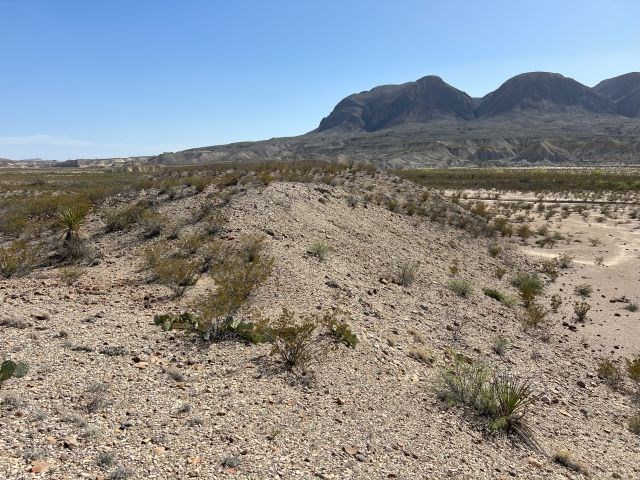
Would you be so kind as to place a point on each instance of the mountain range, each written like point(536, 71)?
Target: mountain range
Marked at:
point(536, 118)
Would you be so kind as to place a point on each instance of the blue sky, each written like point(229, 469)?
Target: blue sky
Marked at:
point(96, 78)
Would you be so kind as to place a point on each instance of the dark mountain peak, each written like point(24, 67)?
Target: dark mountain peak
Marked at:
point(427, 99)
point(543, 92)
point(619, 87)
point(625, 91)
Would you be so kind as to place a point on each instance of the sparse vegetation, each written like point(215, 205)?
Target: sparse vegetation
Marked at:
point(610, 374)
point(529, 285)
point(581, 309)
point(461, 287)
point(499, 296)
point(584, 290)
point(10, 369)
point(407, 273)
point(319, 249)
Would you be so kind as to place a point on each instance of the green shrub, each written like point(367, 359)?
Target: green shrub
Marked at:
point(461, 287)
point(534, 316)
point(340, 330)
point(501, 397)
point(173, 270)
point(584, 290)
point(529, 285)
point(634, 424)
point(152, 223)
point(319, 249)
point(500, 272)
point(499, 296)
point(18, 259)
point(70, 219)
point(125, 217)
point(633, 369)
point(71, 274)
point(10, 369)
point(297, 343)
point(499, 345)
point(610, 374)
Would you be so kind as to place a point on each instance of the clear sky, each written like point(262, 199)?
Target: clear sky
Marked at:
point(90, 78)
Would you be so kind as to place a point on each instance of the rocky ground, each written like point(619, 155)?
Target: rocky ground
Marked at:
point(110, 395)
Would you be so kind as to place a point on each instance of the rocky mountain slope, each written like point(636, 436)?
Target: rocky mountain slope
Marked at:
point(625, 91)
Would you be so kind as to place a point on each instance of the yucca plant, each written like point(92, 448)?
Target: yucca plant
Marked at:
point(70, 219)
point(10, 369)
point(511, 398)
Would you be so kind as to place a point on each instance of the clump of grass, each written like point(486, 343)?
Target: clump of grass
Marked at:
point(499, 296)
point(500, 272)
point(566, 458)
point(584, 290)
point(422, 355)
point(319, 249)
point(529, 285)
point(71, 274)
point(501, 397)
point(581, 309)
point(633, 370)
point(461, 287)
point(609, 373)
point(499, 345)
point(631, 307)
point(565, 260)
point(495, 250)
point(407, 273)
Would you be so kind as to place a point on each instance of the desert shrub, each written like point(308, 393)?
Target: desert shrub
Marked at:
point(565, 260)
point(18, 258)
point(173, 270)
point(499, 296)
point(633, 369)
point(461, 287)
point(499, 345)
point(406, 274)
point(610, 374)
point(500, 272)
point(556, 302)
point(529, 286)
point(71, 274)
point(535, 316)
point(502, 226)
point(599, 260)
point(319, 249)
point(214, 223)
point(225, 329)
point(550, 269)
point(584, 290)
point(340, 329)
point(502, 397)
point(125, 217)
point(191, 243)
point(10, 369)
point(581, 309)
point(454, 268)
point(565, 458)
point(236, 277)
point(152, 223)
point(631, 307)
point(524, 232)
point(422, 355)
point(495, 250)
point(298, 343)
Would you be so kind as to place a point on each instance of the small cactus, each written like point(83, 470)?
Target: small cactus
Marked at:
point(10, 369)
